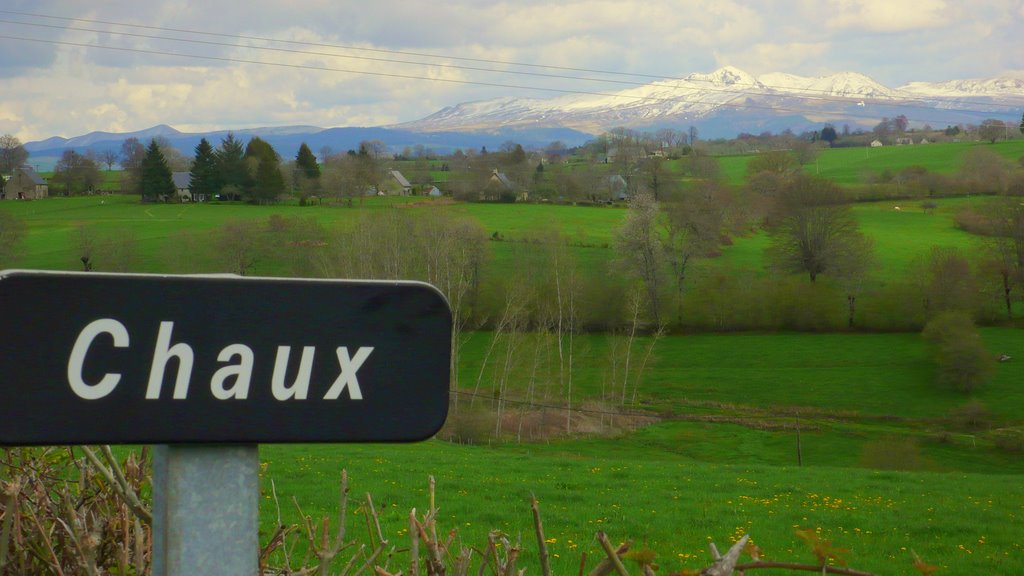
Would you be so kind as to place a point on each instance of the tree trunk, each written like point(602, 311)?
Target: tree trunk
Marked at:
point(1007, 288)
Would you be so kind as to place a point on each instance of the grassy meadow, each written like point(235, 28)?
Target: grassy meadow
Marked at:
point(850, 166)
point(888, 465)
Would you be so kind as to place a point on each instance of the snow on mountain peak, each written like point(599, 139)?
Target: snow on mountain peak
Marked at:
point(983, 87)
point(843, 84)
point(697, 96)
point(727, 75)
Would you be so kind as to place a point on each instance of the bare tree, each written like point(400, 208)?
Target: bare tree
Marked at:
point(12, 154)
point(638, 248)
point(237, 245)
point(108, 157)
point(1006, 248)
point(949, 283)
point(108, 252)
point(692, 229)
point(851, 272)
point(984, 171)
point(813, 229)
point(992, 129)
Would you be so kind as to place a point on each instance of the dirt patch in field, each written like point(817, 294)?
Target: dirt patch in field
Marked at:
point(479, 425)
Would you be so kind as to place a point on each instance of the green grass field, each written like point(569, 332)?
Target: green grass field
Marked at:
point(671, 504)
point(849, 166)
point(719, 462)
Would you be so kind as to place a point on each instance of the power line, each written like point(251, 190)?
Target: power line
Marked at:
point(744, 105)
point(806, 93)
point(824, 95)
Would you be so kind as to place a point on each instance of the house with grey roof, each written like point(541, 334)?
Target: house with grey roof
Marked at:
point(396, 184)
point(25, 184)
point(182, 181)
point(500, 187)
point(614, 187)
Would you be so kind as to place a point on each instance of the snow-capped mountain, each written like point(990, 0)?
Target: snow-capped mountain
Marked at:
point(842, 85)
point(985, 88)
point(731, 97)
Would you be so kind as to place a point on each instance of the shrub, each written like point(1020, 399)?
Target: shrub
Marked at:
point(1009, 439)
point(974, 222)
point(962, 361)
point(469, 424)
point(974, 415)
point(892, 453)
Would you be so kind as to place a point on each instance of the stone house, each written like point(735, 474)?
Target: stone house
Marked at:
point(25, 184)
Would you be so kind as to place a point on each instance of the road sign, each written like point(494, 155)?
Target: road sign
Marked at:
point(88, 358)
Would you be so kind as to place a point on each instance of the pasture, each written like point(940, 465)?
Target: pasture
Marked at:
point(54, 227)
point(668, 503)
point(718, 461)
point(850, 166)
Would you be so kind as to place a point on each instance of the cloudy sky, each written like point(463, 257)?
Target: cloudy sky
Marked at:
point(72, 67)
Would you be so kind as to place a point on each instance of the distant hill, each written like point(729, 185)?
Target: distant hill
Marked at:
point(728, 101)
point(287, 139)
point(719, 104)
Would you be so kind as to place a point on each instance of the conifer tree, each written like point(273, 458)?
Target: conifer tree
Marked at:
point(156, 175)
point(231, 167)
point(305, 161)
point(267, 182)
point(205, 182)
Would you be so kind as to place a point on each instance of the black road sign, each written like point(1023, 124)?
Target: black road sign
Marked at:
point(89, 358)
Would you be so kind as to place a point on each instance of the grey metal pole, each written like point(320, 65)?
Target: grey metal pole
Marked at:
point(205, 510)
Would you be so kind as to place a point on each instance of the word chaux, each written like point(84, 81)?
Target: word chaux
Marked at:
point(90, 358)
point(228, 382)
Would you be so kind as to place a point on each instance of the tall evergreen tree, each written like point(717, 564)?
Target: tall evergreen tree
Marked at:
point(156, 175)
point(305, 161)
point(267, 182)
point(231, 167)
point(1022, 123)
point(205, 181)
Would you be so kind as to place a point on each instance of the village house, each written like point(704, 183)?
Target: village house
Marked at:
point(25, 184)
point(613, 188)
point(396, 184)
point(182, 181)
point(500, 187)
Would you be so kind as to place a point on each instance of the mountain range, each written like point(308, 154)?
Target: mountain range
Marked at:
point(731, 101)
point(722, 103)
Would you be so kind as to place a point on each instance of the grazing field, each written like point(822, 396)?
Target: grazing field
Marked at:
point(718, 457)
point(671, 504)
point(850, 166)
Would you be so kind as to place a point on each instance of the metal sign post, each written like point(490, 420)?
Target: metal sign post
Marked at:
point(205, 510)
point(208, 367)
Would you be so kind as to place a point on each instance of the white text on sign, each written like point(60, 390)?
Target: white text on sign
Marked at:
point(229, 382)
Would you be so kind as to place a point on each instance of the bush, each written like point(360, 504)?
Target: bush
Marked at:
point(892, 454)
point(972, 416)
point(1009, 439)
point(469, 424)
point(962, 361)
point(974, 222)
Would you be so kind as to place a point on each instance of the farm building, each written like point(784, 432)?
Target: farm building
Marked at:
point(182, 181)
point(614, 187)
point(396, 184)
point(25, 184)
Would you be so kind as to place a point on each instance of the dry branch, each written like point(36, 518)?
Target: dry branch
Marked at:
point(606, 566)
point(542, 548)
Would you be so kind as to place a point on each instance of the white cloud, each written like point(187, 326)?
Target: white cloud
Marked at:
point(764, 58)
point(63, 90)
point(890, 15)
